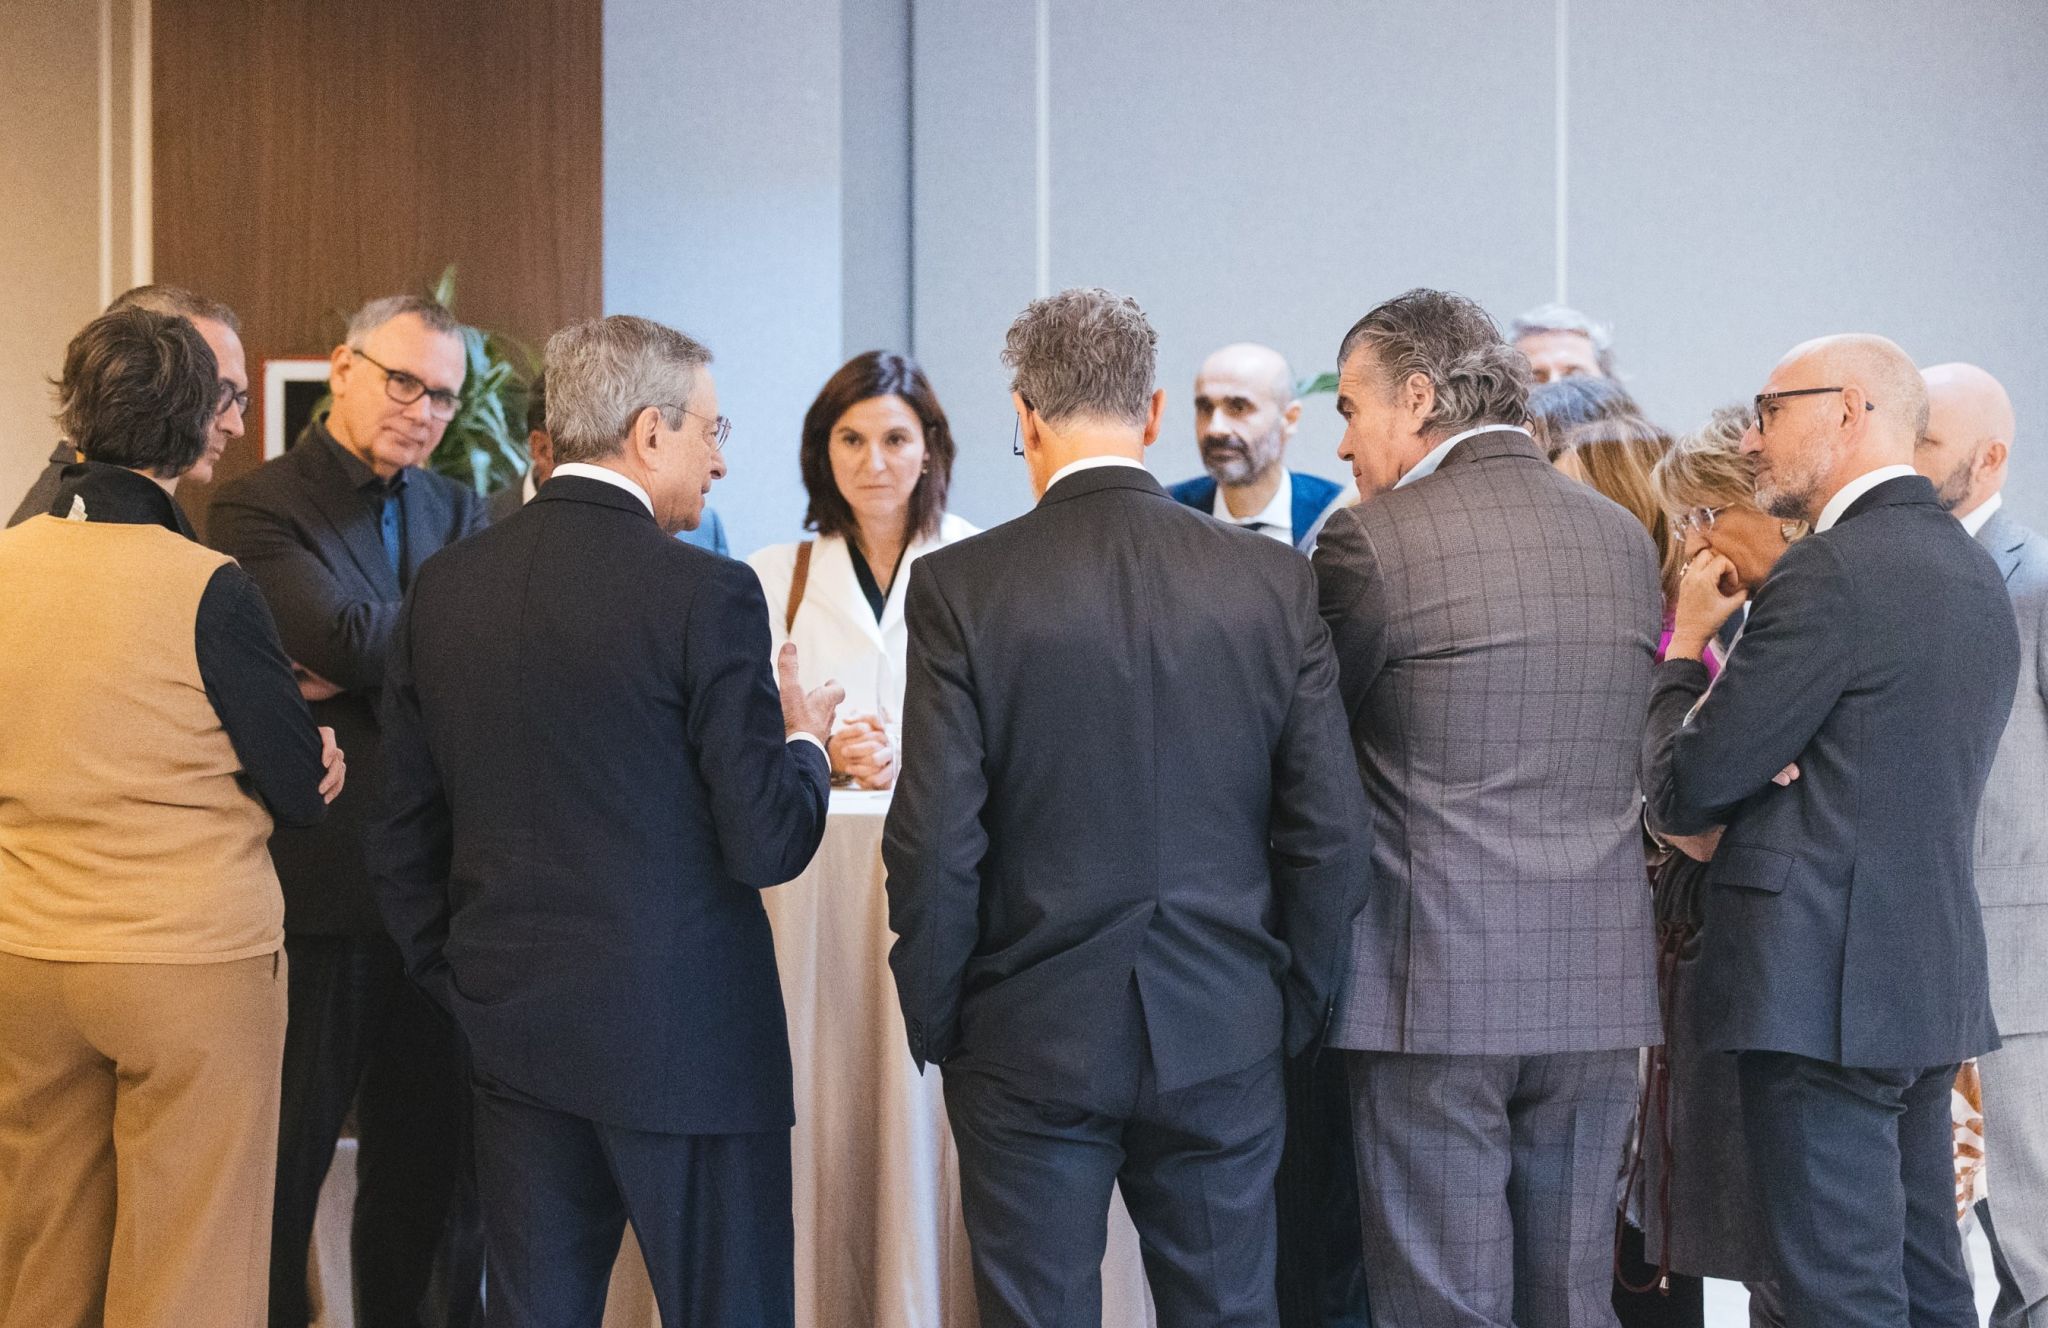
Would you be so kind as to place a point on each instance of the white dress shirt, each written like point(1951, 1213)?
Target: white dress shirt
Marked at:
point(584, 470)
point(1090, 463)
point(1855, 489)
point(527, 487)
point(1277, 516)
point(1426, 467)
point(1974, 521)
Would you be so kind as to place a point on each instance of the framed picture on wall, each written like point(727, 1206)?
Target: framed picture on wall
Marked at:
point(291, 388)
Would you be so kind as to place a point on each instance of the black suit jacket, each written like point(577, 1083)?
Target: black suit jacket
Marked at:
point(588, 787)
point(1841, 917)
point(36, 502)
point(1124, 759)
point(305, 534)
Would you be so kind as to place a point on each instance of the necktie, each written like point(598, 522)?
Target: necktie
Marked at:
point(390, 531)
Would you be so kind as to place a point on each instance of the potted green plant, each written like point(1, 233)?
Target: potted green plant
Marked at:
point(485, 444)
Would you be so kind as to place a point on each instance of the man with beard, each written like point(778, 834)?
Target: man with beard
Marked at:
point(333, 532)
point(221, 331)
point(1843, 954)
point(1964, 450)
point(1245, 411)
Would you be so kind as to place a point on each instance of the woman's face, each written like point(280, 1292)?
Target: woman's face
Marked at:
point(1746, 537)
point(877, 451)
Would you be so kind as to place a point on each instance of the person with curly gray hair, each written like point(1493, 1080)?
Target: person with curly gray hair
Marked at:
point(1494, 623)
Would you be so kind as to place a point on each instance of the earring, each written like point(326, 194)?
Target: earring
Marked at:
point(925, 469)
point(1790, 530)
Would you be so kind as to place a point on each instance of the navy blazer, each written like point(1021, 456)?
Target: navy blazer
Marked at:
point(1841, 915)
point(1124, 761)
point(1312, 498)
point(588, 787)
point(308, 538)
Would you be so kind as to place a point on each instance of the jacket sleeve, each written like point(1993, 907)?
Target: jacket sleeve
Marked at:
point(1348, 585)
point(334, 632)
point(411, 849)
point(769, 794)
point(1772, 698)
point(934, 842)
point(249, 682)
point(1320, 832)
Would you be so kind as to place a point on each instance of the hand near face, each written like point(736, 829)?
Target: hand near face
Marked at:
point(1708, 592)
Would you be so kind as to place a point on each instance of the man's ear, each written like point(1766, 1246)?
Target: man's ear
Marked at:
point(339, 362)
point(1418, 397)
point(1153, 414)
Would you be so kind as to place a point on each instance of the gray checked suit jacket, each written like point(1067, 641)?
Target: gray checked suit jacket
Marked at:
point(1495, 624)
point(2012, 823)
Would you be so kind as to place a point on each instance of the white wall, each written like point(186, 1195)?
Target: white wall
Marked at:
point(70, 79)
point(1732, 176)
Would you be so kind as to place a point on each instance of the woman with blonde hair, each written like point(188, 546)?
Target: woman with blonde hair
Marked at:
point(1615, 457)
point(1691, 1185)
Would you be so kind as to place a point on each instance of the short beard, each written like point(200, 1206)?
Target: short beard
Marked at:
point(1951, 492)
point(1242, 468)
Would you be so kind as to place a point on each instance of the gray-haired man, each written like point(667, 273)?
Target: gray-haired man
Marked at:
point(1494, 624)
point(1561, 342)
point(1965, 451)
point(333, 531)
point(1124, 853)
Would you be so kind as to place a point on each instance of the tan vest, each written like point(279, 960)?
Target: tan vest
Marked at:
point(125, 835)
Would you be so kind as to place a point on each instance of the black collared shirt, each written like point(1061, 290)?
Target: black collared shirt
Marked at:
point(244, 669)
point(380, 495)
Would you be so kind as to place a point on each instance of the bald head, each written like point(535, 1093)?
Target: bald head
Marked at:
point(1245, 412)
point(1835, 408)
point(1968, 439)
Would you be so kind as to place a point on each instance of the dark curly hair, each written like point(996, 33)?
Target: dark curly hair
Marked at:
point(139, 390)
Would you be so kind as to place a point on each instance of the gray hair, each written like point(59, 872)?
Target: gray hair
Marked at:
point(380, 311)
point(177, 302)
point(1563, 318)
point(603, 372)
point(1083, 353)
point(1479, 379)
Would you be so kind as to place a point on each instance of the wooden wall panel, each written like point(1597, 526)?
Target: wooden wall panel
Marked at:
point(311, 155)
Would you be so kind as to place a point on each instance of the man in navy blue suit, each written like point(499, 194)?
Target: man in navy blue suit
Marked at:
point(591, 778)
point(1245, 412)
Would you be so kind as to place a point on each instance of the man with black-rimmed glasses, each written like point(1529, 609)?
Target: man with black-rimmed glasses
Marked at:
point(333, 532)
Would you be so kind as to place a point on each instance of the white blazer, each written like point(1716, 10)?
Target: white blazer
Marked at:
point(836, 633)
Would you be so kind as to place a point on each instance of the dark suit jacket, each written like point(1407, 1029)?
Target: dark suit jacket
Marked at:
point(36, 502)
point(300, 528)
point(709, 534)
point(1312, 497)
point(1841, 916)
point(588, 787)
point(1123, 760)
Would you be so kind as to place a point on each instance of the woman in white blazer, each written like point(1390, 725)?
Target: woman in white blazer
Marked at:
point(876, 458)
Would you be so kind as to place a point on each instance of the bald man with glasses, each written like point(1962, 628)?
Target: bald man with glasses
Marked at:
point(333, 533)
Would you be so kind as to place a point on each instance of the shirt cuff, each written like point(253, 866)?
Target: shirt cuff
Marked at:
point(805, 737)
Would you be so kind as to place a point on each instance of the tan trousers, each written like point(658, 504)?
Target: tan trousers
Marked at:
point(138, 1142)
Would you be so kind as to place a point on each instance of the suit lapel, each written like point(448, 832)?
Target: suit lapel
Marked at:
point(349, 514)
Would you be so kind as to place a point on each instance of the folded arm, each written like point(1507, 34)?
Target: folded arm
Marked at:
point(334, 630)
point(249, 681)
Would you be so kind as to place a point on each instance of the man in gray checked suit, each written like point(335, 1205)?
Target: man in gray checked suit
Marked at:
point(1494, 624)
point(1965, 450)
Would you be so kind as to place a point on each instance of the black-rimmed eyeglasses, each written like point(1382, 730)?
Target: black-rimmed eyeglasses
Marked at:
point(230, 395)
point(1767, 398)
point(405, 388)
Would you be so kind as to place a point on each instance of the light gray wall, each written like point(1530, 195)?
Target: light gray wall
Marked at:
point(1732, 176)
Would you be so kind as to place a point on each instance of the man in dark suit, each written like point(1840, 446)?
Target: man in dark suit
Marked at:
point(1245, 414)
point(1123, 854)
point(1965, 452)
point(333, 532)
point(591, 780)
point(1494, 624)
point(1844, 958)
point(221, 330)
point(709, 532)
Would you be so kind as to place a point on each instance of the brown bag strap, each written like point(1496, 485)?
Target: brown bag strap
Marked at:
point(797, 583)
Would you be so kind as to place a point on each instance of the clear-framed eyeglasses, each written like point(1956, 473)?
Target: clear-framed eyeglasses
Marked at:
point(1695, 518)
